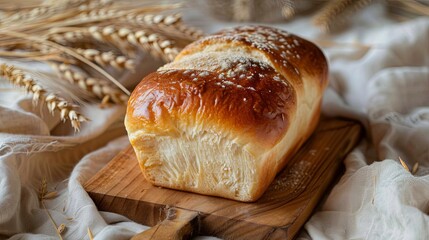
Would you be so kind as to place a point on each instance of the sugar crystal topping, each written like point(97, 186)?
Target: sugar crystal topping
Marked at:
point(234, 67)
point(272, 41)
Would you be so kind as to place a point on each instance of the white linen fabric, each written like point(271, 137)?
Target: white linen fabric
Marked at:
point(388, 90)
point(385, 86)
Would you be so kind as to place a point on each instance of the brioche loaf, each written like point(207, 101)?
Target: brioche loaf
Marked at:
point(226, 115)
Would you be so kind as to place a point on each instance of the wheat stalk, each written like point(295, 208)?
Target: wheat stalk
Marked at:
point(54, 103)
point(80, 38)
point(71, 53)
point(98, 87)
point(27, 46)
point(32, 51)
point(90, 235)
point(43, 194)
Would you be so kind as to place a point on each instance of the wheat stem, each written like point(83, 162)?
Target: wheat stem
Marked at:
point(90, 235)
point(24, 54)
point(52, 220)
point(42, 195)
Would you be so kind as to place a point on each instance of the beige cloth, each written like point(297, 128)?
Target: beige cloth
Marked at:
point(385, 87)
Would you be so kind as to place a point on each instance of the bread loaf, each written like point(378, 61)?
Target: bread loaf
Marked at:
point(226, 115)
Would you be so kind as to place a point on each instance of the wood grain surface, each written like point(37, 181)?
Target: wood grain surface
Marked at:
point(120, 187)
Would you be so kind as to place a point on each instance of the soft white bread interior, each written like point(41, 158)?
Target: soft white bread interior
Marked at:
point(226, 115)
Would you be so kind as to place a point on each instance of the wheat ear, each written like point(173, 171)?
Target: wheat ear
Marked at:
point(107, 58)
point(153, 43)
point(169, 24)
point(100, 13)
point(67, 37)
point(28, 15)
point(100, 88)
point(288, 9)
point(335, 12)
point(242, 10)
point(71, 53)
point(39, 12)
point(54, 103)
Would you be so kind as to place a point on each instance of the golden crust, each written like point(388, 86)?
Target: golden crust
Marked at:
point(255, 103)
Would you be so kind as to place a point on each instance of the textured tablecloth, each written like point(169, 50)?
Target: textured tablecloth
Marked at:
point(383, 82)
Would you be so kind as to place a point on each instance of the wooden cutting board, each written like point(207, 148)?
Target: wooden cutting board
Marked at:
point(121, 188)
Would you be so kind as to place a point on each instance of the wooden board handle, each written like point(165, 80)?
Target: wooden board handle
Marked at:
point(179, 224)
